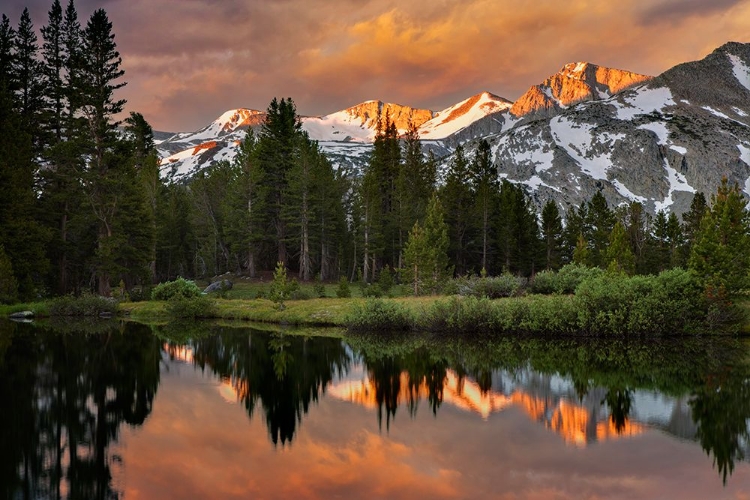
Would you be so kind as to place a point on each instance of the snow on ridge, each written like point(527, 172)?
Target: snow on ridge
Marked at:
point(341, 126)
point(461, 115)
point(577, 139)
point(643, 101)
point(658, 128)
point(741, 70)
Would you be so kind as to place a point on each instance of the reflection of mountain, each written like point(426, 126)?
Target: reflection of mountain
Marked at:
point(576, 423)
point(280, 374)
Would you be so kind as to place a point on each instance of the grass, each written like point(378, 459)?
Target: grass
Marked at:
point(312, 312)
point(250, 289)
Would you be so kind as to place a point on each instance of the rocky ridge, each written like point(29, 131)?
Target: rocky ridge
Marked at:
point(584, 129)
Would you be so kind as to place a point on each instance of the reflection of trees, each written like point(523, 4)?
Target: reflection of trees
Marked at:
point(284, 373)
point(721, 408)
point(618, 401)
point(69, 395)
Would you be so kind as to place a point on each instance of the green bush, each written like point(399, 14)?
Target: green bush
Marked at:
point(544, 282)
point(372, 291)
point(193, 307)
point(177, 288)
point(319, 288)
point(343, 291)
point(572, 275)
point(461, 315)
point(379, 315)
point(669, 303)
point(505, 285)
point(385, 280)
point(85, 305)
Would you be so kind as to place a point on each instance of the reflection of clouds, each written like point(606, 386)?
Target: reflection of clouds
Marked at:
point(195, 446)
point(576, 424)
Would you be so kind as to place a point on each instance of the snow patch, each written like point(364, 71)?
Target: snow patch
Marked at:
point(578, 141)
point(660, 129)
point(461, 115)
point(739, 111)
point(741, 70)
point(715, 112)
point(679, 149)
point(677, 182)
point(644, 101)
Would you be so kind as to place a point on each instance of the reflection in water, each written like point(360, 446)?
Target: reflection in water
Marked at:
point(282, 373)
point(64, 400)
point(66, 396)
point(575, 423)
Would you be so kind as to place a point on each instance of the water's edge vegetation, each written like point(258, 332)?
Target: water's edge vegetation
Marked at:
point(673, 302)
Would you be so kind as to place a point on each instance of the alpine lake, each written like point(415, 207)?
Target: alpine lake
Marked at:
point(113, 409)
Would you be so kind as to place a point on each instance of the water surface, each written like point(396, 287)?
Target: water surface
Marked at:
point(126, 411)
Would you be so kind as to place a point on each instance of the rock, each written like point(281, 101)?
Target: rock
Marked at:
point(218, 286)
point(22, 315)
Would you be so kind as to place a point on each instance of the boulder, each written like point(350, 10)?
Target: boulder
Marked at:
point(22, 315)
point(218, 286)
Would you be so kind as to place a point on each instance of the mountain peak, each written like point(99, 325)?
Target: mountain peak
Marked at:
point(574, 83)
point(461, 115)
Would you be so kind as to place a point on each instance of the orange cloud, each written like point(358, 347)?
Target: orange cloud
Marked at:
point(187, 62)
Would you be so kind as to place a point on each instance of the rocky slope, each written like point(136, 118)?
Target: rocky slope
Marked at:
point(583, 129)
point(658, 143)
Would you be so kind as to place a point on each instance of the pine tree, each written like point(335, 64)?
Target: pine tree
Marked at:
point(486, 190)
point(457, 198)
point(426, 251)
point(99, 74)
point(601, 220)
point(660, 254)
point(582, 253)
point(619, 255)
point(21, 236)
point(7, 55)
point(692, 220)
point(8, 282)
point(244, 206)
point(552, 235)
point(53, 64)
point(30, 85)
point(721, 252)
point(277, 143)
point(576, 224)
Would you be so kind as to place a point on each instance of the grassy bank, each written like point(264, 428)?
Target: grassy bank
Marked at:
point(604, 304)
point(311, 312)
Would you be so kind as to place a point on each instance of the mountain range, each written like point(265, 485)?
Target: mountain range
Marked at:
point(586, 128)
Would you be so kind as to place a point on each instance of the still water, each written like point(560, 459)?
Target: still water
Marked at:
point(121, 410)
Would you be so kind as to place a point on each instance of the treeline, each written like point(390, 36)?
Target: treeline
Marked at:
point(82, 205)
point(77, 187)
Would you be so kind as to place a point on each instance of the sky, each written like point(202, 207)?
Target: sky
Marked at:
point(188, 61)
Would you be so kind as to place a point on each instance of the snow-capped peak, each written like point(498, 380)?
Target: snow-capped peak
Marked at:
point(463, 114)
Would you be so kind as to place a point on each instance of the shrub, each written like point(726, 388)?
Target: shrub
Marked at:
point(373, 291)
point(505, 285)
point(177, 288)
point(280, 287)
point(194, 307)
point(319, 288)
point(544, 282)
point(379, 315)
point(343, 291)
point(645, 305)
point(461, 315)
point(85, 305)
point(572, 275)
point(385, 280)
